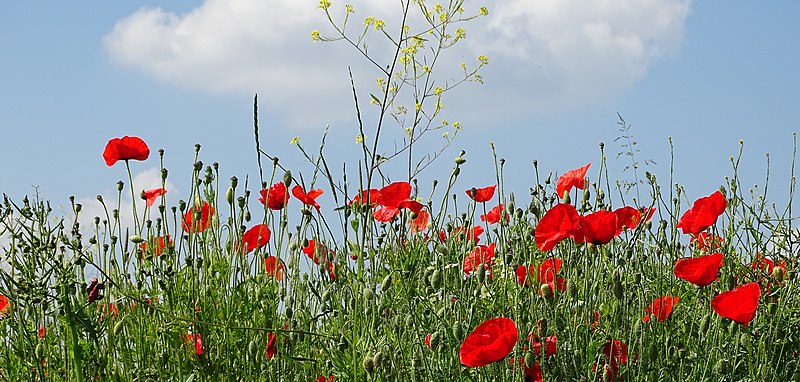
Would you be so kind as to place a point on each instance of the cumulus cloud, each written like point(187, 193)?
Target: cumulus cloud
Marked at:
point(549, 53)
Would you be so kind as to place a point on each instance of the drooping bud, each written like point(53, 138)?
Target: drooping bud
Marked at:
point(136, 239)
point(546, 291)
point(287, 178)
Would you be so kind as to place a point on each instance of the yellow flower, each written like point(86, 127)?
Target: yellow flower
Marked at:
point(360, 138)
point(438, 90)
point(369, 20)
point(379, 24)
point(484, 11)
point(461, 33)
point(295, 141)
point(349, 8)
point(324, 4)
point(483, 60)
point(315, 35)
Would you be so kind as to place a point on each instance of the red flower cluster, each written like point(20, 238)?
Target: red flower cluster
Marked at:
point(615, 353)
point(490, 342)
point(191, 226)
point(600, 227)
point(661, 308)
point(125, 148)
point(276, 197)
point(703, 214)
point(255, 237)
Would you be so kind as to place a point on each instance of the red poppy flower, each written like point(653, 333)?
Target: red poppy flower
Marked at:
point(765, 264)
point(317, 253)
point(572, 178)
point(740, 304)
point(701, 270)
point(274, 268)
point(255, 237)
point(191, 226)
point(706, 242)
point(428, 340)
point(597, 228)
point(307, 198)
point(150, 196)
point(532, 374)
point(276, 197)
point(616, 354)
point(393, 198)
point(94, 290)
point(703, 214)
point(4, 304)
point(160, 243)
point(197, 339)
point(125, 148)
point(323, 378)
point(371, 195)
point(42, 331)
point(558, 223)
point(272, 348)
point(490, 342)
point(661, 308)
point(420, 223)
point(493, 216)
point(525, 274)
point(550, 345)
point(482, 194)
point(629, 217)
point(547, 274)
point(460, 233)
point(482, 254)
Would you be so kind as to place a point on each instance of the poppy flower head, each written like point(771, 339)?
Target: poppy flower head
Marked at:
point(739, 304)
point(274, 267)
point(493, 216)
point(125, 148)
point(572, 178)
point(661, 308)
point(159, 244)
point(615, 353)
point(558, 223)
point(525, 274)
point(393, 194)
point(317, 252)
point(308, 198)
point(597, 228)
point(629, 217)
point(703, 214)
point(256, 237)
point(481, 195)
point(367, 196)
point(490, 342)
point(428, 340)
point(323, 378)
point(94, 290)
point(482, 254)
point(550, 345)
point(706, 242)
point(547, 274)
point(420, 223)
point(700, 271)
point(150, 196)
point(197, 340)
point(276, 197)
point(191, 226)
point(4, 305)
point(272, 342)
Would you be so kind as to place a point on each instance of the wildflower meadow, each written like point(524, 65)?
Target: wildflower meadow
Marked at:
point(255, 278)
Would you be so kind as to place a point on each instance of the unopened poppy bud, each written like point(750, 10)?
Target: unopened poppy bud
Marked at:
point(481, 273)
point(546, 291)
point(436, 340)
point(287, 178)
point(343, 344)
point(416, 362)
point(618, 288)
point(721, 367)
point(120, 185)
point(458, 330)
point(369, 364)
point(229, 195)
point(456, 171)
point(115, 213)
point(731, 282)
point(196, 148)
point(182, 205)
point(136, 239)
point(566, 199)
point(119, 326)
point(386, 283)
point(460, 160)
point(541, 328)
point(369, 295)
point(275, 161)
point(436, 279)
point(247, 216)
point(529, 359)
point(779, 274)
point(198, 166)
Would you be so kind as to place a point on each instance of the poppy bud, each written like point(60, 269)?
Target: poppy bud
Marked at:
point(343, 344)
point(618, 289)
point(744, 341)
point(456, 171)
point(120, 185)
point(181, 205)
point(458, 331)
point(287, 178)
point(369, 364)
point(118, 326)
point(566, 199)
point(460, 160)
point(779, 274)
point(229, 196)
point(481, 273)
point(541, 328)
point(436, 340)
point(546, 291)
point(289, 312)
point(731, 282)
point(721, 367)
point(529, 359)
point(136, 239)
point(704, 325)
point(416, 362)
point(369, 295)
point(386, 283)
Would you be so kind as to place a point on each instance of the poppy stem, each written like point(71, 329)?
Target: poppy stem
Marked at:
point(133, 198)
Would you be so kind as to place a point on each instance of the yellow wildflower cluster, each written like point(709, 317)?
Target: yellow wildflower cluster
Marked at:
point(324, 4)
point(360, 138)
point(315, 36)
point(349, 8)
point(484, 11)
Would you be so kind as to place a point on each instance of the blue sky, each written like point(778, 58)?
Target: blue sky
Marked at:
point(705, 73)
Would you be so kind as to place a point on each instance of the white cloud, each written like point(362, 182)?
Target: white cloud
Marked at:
point(551, 53)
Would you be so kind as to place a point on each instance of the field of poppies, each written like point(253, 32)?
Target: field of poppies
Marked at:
point(389, 279)
point(563, 286)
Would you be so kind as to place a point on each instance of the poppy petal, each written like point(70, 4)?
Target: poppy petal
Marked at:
point(490, 342)
point(739, 304)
